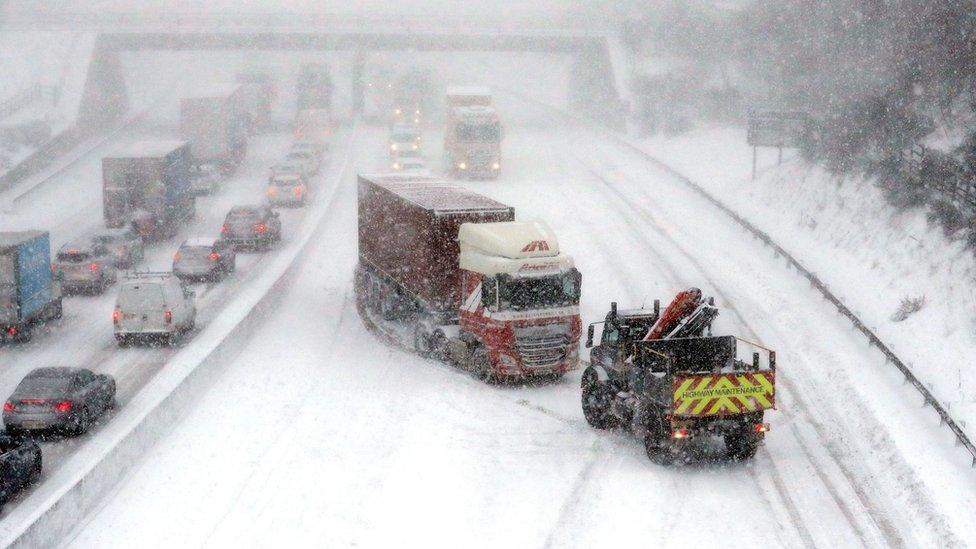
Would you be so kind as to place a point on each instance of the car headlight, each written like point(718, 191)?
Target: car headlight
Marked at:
point(414, 147)
point(396, 165)
point(398, 111)
point(462, 165)
point(495, 166)
point(393, 147)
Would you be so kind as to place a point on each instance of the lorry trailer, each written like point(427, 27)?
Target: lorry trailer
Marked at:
point(147, 186)
point(474, 287)
point(216, 123)
point(29, 292)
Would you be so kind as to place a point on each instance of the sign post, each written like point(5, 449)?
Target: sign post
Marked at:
point(776, 129)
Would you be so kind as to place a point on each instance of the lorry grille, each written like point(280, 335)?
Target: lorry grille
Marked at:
point(542, 348)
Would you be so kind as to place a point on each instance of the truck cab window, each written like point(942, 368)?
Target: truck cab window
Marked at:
point(489, 291)
point(611, 334)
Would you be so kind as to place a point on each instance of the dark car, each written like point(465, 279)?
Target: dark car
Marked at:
point(86, 267)
point(251, 227)
point(124, 244)
point(63, 399)
point(20, 465)
point(204, 259)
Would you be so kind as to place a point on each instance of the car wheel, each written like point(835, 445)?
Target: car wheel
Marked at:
point(58, 310)
point(36, 468)
point(83, 423)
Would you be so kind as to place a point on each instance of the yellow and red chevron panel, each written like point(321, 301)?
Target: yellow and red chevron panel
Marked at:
point(723, 394)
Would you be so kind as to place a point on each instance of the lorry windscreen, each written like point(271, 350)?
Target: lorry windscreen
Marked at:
point(537, 292)
point(478, 132)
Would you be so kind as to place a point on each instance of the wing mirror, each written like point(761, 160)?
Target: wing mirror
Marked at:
point(589, 336)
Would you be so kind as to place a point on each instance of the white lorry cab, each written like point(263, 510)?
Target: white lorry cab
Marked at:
point(153, 307)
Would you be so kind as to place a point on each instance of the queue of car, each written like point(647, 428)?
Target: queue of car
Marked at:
point(150, 307)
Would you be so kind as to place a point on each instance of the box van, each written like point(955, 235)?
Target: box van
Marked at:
point(153, 306)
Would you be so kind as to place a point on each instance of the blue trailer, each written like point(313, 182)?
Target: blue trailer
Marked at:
point(147, 186)
point(29, 293)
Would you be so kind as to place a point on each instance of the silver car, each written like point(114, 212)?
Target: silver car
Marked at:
point(124, 244)
point(85, 268)
point(204, 259)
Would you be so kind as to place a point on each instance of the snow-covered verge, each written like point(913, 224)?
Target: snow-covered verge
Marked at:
point(45, 517)
point(873, 256)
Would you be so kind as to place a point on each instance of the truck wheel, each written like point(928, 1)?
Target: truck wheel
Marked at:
point(388, 306)
point(422, 341)
point(57, 310)
point(742, 445)
point(660, 448)
point(481, 365)
point(596, 399)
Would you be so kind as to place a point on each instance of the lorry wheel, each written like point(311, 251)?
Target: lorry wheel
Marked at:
point(481, 365)
point(57, 311)
point(422, 341)
point(596, 399)
point(742, 445)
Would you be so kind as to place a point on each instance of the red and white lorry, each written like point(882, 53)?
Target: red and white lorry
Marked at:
point(473, 287)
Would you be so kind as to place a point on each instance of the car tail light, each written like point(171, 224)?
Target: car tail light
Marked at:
point(93, 267)
point(12, 331)
point(272, 191)
point(168, 316)
point(8, 406)
point(680, 433)
point(63, 406)
point(298, 191)
point(214, 256)
point(116, 316)
point(177, 256)
point(224, 228)
point(760, 427)
point(260, 228)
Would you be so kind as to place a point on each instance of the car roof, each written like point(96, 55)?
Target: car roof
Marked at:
point(247, 209)
point(75, 247)
point(56, 372)
point(205, 241)
point(114, 232)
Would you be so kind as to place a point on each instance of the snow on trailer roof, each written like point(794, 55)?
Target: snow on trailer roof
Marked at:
point(435, 194)
point(468, 90)
point(148, 149)
point(200, 241)
point(16, 238)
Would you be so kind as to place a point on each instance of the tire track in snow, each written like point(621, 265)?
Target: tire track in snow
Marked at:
point(883, 525)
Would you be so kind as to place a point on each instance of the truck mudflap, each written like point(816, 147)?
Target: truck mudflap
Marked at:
point(710, 395)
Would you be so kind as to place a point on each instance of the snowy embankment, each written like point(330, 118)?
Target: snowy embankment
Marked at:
point(871, 255)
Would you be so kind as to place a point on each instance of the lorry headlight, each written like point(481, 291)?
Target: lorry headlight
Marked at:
point(507, 362)
point(462, 165)
point(393, 147)
point(495, 166)
point(398, 111)
point(396, 165)
point(414, 146)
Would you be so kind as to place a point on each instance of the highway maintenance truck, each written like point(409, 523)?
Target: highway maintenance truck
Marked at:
point(147, 186)
point(665, 377)
point(472, 286)
point(473, 134)
point(29, 292)
point(216, 123)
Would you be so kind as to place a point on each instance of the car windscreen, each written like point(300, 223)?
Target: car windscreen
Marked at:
point(195, 252)
point(298, 155)
point(43, 387)
point(140, 296)
point(243, 215)
point(74, 257)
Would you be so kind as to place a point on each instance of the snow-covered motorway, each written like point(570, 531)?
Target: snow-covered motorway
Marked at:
point(322, 434)
point(69, 206)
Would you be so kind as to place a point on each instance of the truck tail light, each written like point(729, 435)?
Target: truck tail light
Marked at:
point(260, 228)
point(680, 433)
point(214, 256)
point(63, 406)
point(8, 406)
point(116, 316)
point(168, 316)
point(760, 427)
point(93, 267)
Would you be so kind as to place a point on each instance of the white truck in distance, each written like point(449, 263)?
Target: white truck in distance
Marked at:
point(473, 133)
